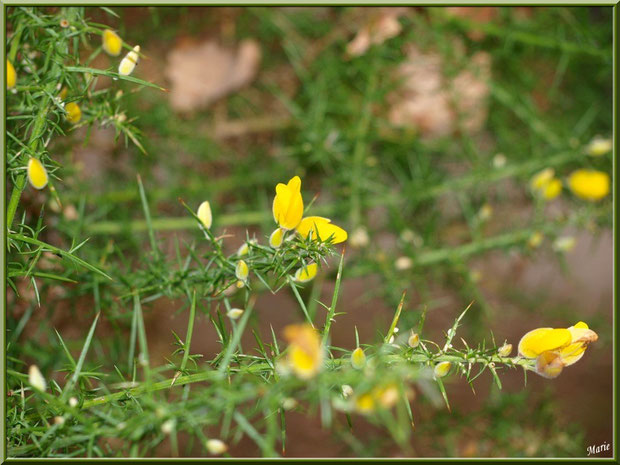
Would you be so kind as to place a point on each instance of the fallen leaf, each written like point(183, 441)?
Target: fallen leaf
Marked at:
point(377, 29)
point(203, 73)
point(435, 105)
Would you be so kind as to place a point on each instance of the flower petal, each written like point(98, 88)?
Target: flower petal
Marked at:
point(321, 228)
point(540, 340)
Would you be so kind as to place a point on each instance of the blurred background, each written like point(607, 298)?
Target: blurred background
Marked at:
point(419, 130)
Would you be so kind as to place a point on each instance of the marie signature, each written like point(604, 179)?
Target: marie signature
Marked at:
point(598, 449)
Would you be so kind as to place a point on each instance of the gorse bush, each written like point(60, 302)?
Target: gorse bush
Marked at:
point(102, 394)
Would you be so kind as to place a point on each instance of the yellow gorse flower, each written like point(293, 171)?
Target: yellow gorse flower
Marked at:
point(128, 64)
point(589, 184)
point(305, 352)
point(384, 396)
point(556, 348)
point(11, 75)
point(37, 174)
point(74, 114)
point(322, 229)
point(288, 205)
point(546, 184)
point(288, 209)
point(111, 43)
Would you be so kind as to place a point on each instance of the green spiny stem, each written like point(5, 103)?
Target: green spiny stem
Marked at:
point(261, 368)
point(20, 182)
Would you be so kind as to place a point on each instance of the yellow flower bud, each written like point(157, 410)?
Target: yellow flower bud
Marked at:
point(403, 263)
point(505, 350)
point(358, 358)
point(11, 75)
point(58, 420)
point(234, 313)
point(306, 273)
point(37, 174)
point(242, 271)
point(216, 446)
point(276, 238)
point(128, 64)
point(442, 369)
point(414, 340)
point(36, 379)
point(535, 239)
point(599, 146)
point(564, 244)
point(485, 212)
point(359, 238)
point(204, 214)
point(111, 43)
point(347, 391)
point(168, 426)
point(74, 114)
point(243, 250)
point(73, 402)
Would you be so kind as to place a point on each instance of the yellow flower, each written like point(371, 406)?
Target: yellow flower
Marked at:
point(276, 238)
point(204, 214)
point(365, 403)
point(111, 43)
point(599, 146)
point(557, 348)
point(552, 189)
point(322, 229)
point(288, 209)
point(11, 75)
point(37, 174)
point(74, 114)
point(442, 369)
point(288, 205)
point(242, 271)
point(546, 185)
point(128, 64)
point(541, 178)
point(306, 273)
point(358, 358)
point(305, 353)
point(384, 396)
point(36, 379)
point(589, 184)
